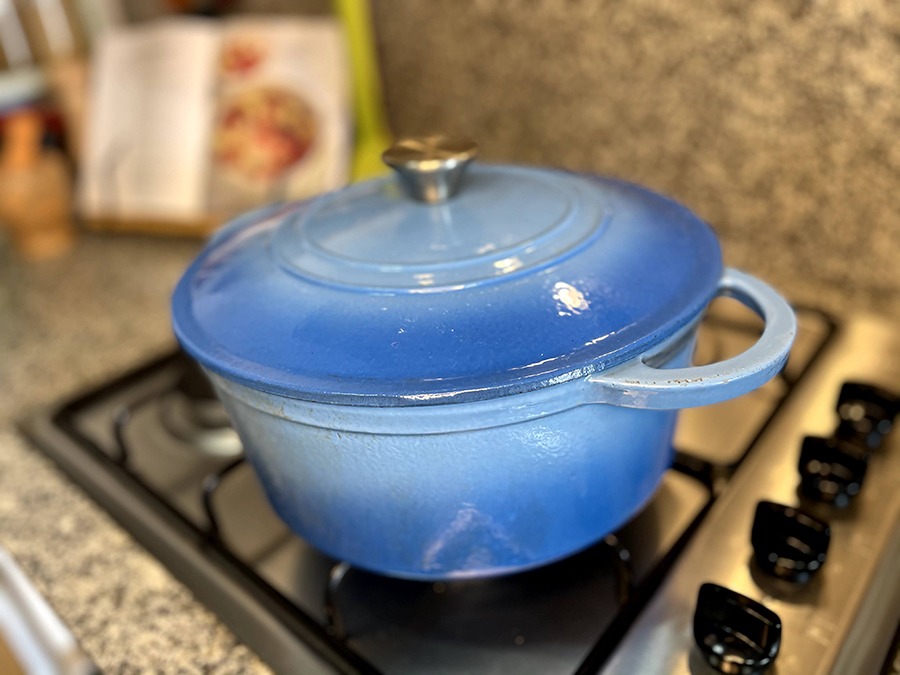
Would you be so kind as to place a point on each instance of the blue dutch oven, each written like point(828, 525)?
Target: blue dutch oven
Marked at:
point(435, 385)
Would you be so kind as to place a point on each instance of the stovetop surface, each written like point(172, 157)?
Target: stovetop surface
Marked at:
point(188, 496)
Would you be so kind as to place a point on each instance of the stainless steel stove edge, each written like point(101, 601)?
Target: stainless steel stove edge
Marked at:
point(844, 620)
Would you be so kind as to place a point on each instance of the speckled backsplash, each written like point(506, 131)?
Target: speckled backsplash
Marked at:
point(777, 120)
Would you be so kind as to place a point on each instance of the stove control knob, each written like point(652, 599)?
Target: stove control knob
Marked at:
point(788, 543)
point(831, 470)
point(734, 633)
point(867, 413)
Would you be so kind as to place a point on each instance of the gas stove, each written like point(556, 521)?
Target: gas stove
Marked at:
point(774, 537)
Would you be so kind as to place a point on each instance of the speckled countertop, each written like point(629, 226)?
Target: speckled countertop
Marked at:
point(65, 325)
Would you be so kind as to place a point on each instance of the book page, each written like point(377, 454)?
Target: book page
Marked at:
point(147, 141)
point(282, 125)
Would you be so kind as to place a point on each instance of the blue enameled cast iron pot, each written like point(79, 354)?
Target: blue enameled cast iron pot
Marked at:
point(470, 384)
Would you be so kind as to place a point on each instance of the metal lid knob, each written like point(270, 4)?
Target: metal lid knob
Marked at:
point(430, 167)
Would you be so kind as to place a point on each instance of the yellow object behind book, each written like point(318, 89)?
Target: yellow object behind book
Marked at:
point(372, 134)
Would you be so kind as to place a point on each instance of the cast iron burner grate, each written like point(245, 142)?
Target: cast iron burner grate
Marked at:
point(201, 512)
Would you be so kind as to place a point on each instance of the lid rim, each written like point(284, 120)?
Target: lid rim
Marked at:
point(424, 398)
point(647, 269)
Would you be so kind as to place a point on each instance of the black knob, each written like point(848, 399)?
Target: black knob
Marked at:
point(788, 543)
point(735, 634)
point(867, 413)
point(831, 470)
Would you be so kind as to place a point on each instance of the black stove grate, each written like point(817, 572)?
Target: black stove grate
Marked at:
point(284, 633)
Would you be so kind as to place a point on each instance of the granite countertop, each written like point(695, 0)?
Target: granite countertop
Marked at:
point(66, 325)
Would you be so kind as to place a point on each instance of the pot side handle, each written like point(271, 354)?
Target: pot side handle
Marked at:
point(637, 385)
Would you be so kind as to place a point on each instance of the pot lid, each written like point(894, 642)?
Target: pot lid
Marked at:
point(525, 277)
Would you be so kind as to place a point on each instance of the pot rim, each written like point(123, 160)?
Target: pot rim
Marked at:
point(447, 417)
point(648, 381)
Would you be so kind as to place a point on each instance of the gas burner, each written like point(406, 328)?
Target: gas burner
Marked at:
point(201, 424)
point(192, 413)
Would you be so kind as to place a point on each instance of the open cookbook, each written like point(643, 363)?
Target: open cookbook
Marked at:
point(192, 121)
